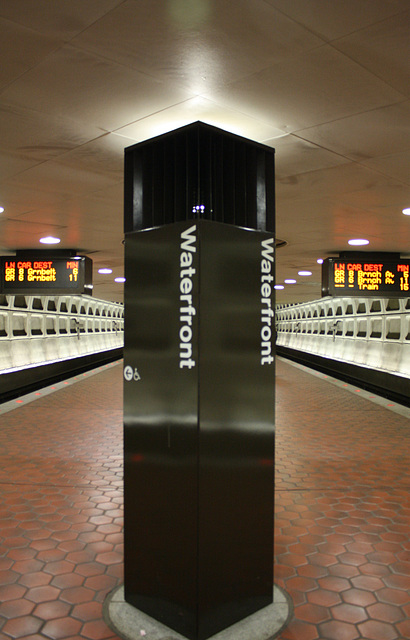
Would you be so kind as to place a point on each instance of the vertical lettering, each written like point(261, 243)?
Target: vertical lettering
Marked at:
point(187, 310)
point(267, 312)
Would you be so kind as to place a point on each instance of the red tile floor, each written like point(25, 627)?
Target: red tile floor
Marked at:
point(342, 527)
point(342, 524)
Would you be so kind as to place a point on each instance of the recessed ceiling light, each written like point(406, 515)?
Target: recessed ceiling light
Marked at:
point(2, 209)
point(319, 260)
point(405, 211)
point(105, 270)
point(305, 273)
point(357, 242)
point(290, 281)
point(50, 240)
point(119, 279)
point(278, 286)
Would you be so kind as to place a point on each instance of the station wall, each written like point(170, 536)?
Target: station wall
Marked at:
point(370, 333)
point(39, 331)
point(60, 333)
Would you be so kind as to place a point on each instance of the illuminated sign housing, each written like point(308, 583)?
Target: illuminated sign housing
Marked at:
point(29, 273)
point(366, 275)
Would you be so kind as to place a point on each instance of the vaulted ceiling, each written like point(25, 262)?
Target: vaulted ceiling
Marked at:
point(324, 82)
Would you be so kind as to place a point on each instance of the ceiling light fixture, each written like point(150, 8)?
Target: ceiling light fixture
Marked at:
point(50, 240)
point(290, 281)
point(119, 279)
point(319, 260)
point(304, 273)
point(405, 211)
point(105, 270)
point(2, 209)
point(278, 286)
point(357, 242)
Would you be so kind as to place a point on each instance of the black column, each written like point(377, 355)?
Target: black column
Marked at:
point(199, 380)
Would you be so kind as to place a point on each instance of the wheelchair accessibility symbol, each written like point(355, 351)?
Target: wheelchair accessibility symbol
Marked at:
point(131, 373)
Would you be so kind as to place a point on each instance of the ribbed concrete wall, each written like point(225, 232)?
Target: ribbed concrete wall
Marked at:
point(370, 332)
point(40, 329)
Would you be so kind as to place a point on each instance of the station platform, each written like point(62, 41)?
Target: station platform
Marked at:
point(342, 523)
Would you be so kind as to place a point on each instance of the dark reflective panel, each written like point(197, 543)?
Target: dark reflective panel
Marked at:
point(236, 400)
point(199, 424)
point(160, 435)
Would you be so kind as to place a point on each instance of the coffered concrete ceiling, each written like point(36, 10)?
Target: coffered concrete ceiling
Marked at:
point(326, 83)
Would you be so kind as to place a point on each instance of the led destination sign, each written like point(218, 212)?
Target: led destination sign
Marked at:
point(27, 274)
point(366, 277)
